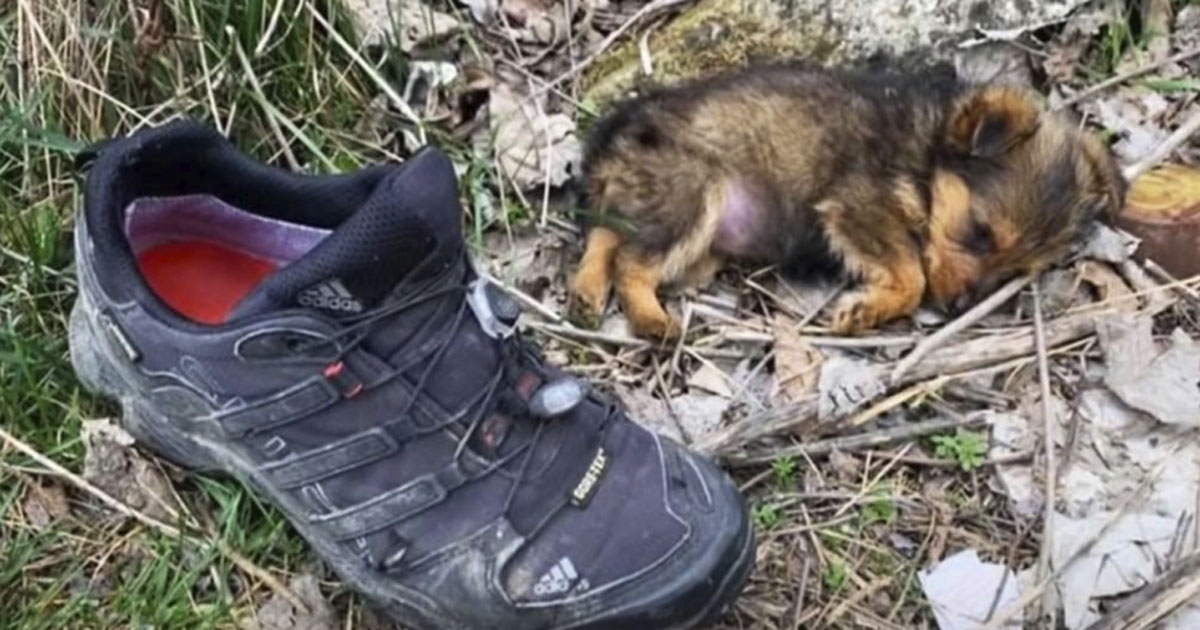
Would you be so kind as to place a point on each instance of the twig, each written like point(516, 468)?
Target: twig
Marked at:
point(1183, 289)
point(895, 400)
point(1039, 335)
point(976, 313)
point(771, 422)
point(589, 335)
point(855, 442)
point(1181, 135)
point(167, 530)
point(1125, 76)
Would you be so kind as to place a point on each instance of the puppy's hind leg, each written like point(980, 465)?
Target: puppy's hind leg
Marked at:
point(638, 278)
point(593, 280)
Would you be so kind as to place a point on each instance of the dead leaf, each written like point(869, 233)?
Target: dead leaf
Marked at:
point(1011, 434)
point(699, 414)
point(650, 412)
point(533, 148)
point(537, 21)
point(1059, 289)
point(1122, 559)
point(712, 380)
point(845, 466)
point(1135, 115)
point(112, 464)
point(277, 613)
point(797, 363)
point(1156, 28)
point(846, 385)
point(1186, 35)
point(1109, 245)
point(1164, 384)
point(377, 21)
point(482, 10)
point(45, 504)
point(1109, 284)
point(1062, 59)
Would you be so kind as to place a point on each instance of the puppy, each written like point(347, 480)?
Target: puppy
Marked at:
point(917, 187)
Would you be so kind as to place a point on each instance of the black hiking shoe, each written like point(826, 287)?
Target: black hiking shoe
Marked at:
point(326, 341)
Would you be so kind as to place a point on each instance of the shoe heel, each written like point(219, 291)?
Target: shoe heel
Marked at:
point(97, 373)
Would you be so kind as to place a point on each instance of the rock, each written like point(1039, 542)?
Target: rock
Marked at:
point(719, 34)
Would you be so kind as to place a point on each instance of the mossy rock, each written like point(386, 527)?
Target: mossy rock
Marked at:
point(715, 35)
point(712, 36)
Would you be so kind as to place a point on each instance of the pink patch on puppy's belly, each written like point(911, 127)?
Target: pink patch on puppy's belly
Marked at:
point(740, 227)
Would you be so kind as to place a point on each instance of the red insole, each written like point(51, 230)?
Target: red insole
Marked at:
point(201, 280)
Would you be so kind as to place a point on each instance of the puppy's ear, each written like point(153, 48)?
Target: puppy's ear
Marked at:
point(989, 121)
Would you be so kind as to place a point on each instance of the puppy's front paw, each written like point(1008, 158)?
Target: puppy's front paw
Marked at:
point(587, 301)
point(854, 315)
point(660, 326)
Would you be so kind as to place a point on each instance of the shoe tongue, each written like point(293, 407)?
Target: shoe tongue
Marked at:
point(410, 224)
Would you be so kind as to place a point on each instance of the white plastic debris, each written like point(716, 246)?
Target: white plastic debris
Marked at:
point(965, 591)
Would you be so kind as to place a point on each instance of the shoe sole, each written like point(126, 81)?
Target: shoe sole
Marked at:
point(101, 371)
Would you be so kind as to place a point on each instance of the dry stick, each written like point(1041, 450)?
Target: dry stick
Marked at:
point(1125, 76)
point(1180, 584)
point(589, 335)
point(1181, 135)
point(976, 313)
point(1163, 275)
point(856, 442)
point(1039, 335)
point(168, 530)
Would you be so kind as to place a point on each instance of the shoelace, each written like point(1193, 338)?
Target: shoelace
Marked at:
point(517, 355)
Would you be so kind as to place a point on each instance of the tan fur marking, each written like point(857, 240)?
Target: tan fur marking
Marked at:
point(949, 269)
point(975, 112)
point(910, 201)
point(891, 286)
point(637, 281)
point(593, 280)
point(696, 246)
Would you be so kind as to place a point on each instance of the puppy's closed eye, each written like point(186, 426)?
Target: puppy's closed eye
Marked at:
point(979, 238)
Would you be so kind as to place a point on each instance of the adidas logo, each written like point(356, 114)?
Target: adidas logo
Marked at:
point(331, 295)
point(557, 580)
